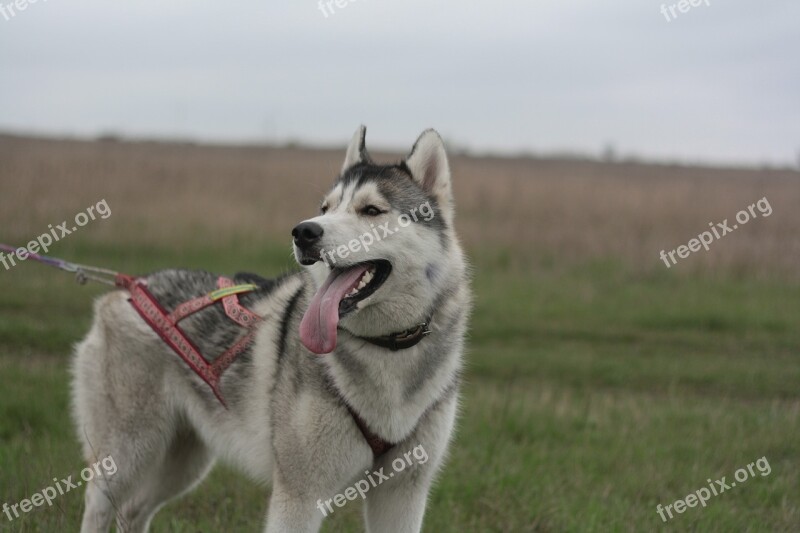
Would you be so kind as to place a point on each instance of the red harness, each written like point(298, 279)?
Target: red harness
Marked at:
point(166, 324)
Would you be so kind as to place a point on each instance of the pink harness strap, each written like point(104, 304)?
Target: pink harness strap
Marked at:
point(188, 308)
point(166, 326)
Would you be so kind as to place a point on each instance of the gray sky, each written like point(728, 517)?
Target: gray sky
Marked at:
point(720, 83)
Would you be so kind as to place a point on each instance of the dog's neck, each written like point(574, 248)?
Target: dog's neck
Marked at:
point(401, 340)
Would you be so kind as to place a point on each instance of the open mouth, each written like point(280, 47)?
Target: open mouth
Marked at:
point(338, 296)
point(370, 281)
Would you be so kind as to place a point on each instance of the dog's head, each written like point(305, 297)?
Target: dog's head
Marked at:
point(380, 249)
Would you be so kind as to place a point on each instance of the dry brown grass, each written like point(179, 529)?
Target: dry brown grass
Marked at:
point(568, 211)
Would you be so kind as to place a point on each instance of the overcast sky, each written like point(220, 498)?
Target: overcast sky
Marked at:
point(720, 83)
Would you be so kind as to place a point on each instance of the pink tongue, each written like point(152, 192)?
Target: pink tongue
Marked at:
point(318, 327)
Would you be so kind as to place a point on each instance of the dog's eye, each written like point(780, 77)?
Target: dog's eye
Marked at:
point(371, 211)
point(323, 209)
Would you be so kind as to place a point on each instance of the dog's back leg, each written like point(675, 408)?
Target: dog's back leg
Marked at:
point(134, 502)
point(123, 412)
point(182, 467)
point(99, 510)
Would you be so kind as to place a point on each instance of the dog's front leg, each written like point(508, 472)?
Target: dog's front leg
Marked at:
point(318, 449)
point(291, 512)
point(397, 506)
point(405, 474)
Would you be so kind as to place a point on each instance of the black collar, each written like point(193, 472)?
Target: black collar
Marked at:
point(401, 340)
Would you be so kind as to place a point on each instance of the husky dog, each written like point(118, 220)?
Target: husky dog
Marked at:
point(338, 362)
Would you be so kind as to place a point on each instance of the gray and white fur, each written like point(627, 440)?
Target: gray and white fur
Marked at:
point(287, 423)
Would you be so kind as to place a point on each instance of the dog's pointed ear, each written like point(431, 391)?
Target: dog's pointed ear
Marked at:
point(357, 149)
point(428, 165)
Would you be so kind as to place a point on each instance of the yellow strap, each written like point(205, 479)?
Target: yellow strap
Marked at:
point(227, 291)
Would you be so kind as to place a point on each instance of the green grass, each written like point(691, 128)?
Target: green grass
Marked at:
point(592, 394)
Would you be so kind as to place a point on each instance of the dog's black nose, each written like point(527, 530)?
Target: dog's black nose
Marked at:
point(306, 234)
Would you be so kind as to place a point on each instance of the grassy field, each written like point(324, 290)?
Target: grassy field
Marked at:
point(599, 382)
